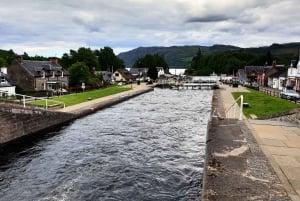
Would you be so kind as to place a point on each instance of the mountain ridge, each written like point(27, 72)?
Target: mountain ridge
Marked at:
point(181, 56)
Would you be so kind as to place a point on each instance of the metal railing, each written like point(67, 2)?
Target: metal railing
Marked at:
point(29, 101)
point(236, 110)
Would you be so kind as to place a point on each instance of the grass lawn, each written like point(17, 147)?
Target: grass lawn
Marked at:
point(76, 98)
point(263, 105)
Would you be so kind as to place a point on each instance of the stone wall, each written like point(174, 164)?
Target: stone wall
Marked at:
point(17, 122)
point(292, 116)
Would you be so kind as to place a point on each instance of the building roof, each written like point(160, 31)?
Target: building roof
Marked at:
point(105, 74)
point(125, 73)
point(278, 72)
point(257, 69)
point(35, 68)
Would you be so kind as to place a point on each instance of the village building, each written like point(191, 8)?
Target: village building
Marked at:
point(32, 75)
point(6, 85)
point(297, 77)
point(106, 75)
point(276, 77)
point(122, 75)
point(254, 74)
point(140, 74)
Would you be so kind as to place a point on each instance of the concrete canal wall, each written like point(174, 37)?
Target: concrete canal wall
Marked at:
point(17, 122)
point(235, 166)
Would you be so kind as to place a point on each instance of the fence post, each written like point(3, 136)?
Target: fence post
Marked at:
point(241, 107)
point(24, 101)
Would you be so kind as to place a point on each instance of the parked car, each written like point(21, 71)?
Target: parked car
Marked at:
point(290, 95)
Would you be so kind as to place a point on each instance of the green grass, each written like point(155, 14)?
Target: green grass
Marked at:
point(76, 98)
point(263, 105)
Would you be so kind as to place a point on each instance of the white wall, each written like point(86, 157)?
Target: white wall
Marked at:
point(10, 90)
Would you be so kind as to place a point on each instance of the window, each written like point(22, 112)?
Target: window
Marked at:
point(117, 74)
point(2, 79)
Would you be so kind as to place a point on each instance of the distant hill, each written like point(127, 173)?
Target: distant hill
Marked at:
point(181, 56)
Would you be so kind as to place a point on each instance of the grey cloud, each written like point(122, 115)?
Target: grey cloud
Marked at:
point(205, 19)
point(132, 23)
point(90, 26)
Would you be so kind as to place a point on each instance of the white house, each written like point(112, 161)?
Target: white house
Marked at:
point(291, 76)
point(297, 77)
point(5, 85)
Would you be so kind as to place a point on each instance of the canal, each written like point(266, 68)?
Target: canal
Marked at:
point(150, 147)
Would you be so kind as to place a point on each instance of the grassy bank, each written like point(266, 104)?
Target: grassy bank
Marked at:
point(263, 105)
point(76, 98)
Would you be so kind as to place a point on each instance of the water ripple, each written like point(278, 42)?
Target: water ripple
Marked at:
point(148, 148)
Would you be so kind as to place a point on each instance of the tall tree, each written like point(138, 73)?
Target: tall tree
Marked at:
point(151, 62)
point(79, 73)
point(108, 60)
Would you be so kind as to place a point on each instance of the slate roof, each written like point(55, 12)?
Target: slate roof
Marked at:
point(278, 72)
point(126, 74)
point(35, 68)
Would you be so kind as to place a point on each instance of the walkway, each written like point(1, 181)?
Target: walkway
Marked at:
point(280, 142)
point(106, 101)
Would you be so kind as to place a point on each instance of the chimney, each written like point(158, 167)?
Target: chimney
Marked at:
point(274, 64)
point(18, 58)
point(54, 60)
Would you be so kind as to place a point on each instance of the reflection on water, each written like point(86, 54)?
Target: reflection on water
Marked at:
point(148, 148)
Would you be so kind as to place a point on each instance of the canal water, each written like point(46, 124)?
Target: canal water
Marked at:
point(150, 147)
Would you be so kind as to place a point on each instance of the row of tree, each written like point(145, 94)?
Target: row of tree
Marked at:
point(230, 61)
point(83, 63)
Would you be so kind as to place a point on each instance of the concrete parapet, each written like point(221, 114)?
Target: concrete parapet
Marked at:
point(235, 167)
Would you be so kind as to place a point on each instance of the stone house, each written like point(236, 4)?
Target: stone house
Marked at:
point(277, 77)
point(254, 73)
point(32, 75)
point(122, 75)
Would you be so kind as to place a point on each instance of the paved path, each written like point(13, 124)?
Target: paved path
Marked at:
point(280, 142)
point(92, 104)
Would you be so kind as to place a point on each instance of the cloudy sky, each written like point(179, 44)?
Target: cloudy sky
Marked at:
point(53, 27)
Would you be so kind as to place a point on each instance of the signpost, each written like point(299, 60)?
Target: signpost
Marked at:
point(83, 86)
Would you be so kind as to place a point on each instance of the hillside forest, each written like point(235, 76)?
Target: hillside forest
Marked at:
point(220, 59)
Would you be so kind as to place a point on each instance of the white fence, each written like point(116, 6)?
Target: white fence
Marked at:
point(29, 101)
point(235, 110)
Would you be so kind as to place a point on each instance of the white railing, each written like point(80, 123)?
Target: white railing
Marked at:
point(235, 110)
point(29, 100)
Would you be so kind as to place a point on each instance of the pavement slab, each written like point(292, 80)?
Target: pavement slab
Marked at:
point(276, 141)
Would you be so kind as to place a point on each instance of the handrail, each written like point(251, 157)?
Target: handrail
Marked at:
point(27, 99)
point(234, 106)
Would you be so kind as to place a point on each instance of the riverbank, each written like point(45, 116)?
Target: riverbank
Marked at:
point(91, 106)
point(17, 122)
point(236, 166)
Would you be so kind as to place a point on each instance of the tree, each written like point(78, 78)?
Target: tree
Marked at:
point(79, 73)
point(2, 62)
point(151, 62)
point(108, 60)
